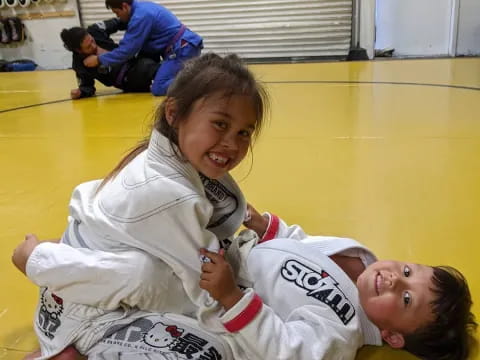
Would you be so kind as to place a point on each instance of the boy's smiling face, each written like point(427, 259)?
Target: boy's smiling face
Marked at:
point(397, 296)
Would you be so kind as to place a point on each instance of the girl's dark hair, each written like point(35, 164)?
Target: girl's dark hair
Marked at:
point(73, 37)
point(201, 77)
point(450, 336)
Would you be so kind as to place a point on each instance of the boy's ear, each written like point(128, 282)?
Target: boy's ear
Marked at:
point(393, 338)
point(170, 111)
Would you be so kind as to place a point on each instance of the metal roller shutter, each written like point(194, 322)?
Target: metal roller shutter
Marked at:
point(258, 29)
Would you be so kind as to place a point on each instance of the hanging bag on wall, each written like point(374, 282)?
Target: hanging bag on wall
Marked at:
point(11, 3)
point(5, 36)
point(17, 31)
point(24, 3)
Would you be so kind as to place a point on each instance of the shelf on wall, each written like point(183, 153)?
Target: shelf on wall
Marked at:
point(45, 15)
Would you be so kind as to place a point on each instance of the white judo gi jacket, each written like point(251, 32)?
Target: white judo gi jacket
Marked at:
point(300, 304)
point(160, 205)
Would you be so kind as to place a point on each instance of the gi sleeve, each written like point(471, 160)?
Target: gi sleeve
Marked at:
point(86, 82)
point(93, 277)
point(135, 37)
point(106, 280)
point(173, 230)
point(306, 334)
point(277, 228)
point(103, 29)
point(86, 85)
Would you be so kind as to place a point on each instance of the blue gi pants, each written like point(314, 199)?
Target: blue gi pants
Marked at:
point(171, 66)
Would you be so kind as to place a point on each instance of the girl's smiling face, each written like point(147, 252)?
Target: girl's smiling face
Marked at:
point(216, 134)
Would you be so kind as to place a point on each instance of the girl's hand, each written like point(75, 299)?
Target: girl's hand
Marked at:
point(255, 221)
point(218, 279)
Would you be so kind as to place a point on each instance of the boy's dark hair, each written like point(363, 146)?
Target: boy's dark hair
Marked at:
point(73, 37)
point(200, 78)
point(451, 334)
point(116, 4)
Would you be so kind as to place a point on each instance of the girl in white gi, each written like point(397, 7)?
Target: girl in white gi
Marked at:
point(306, 297)
point(169, 197)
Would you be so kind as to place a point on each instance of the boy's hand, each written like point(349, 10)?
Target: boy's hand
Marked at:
point(23, 251)
point(255, 221)
point(218, 279)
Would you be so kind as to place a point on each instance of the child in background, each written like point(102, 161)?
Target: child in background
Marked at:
point(169, 197)
point(134, 75)
point(155, 31)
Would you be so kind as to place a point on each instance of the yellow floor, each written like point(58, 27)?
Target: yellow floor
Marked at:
point(386, 152)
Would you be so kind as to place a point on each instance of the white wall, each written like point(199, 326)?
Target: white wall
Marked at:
point(43, 44)
point(415, 27)
point(468, 39)
point(367, 26)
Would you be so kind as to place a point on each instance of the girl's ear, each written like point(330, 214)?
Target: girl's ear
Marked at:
point(170, 111)
point(393, 338)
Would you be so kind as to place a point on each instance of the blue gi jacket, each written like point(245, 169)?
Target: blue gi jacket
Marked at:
point(150, 30)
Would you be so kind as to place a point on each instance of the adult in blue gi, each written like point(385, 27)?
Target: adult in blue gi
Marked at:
point(154, 31)
point(135, 75)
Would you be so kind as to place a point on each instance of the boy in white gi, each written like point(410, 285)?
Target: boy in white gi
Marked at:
point(324, 297)
point(305, 297)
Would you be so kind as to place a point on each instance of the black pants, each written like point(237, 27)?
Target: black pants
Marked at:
point(139, 75)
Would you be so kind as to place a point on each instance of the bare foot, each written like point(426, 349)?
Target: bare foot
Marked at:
point(67, 354)
point(23, 251)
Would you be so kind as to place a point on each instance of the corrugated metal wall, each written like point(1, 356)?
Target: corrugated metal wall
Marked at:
point(258, 29)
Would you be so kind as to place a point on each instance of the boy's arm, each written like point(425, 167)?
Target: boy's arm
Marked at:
point(269, 226)
point(103, 29)
point(306, 334)
point(260, 333)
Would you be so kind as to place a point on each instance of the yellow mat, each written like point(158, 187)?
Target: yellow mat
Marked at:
point(386, 152)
